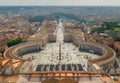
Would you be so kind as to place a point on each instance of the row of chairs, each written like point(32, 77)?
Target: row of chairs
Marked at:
point(59, 67)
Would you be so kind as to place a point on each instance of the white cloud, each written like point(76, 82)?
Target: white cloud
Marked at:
point(61, 2)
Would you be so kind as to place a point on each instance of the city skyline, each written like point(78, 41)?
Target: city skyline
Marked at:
point(60, 3)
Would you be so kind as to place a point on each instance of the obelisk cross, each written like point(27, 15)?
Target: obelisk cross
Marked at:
point(59, 52)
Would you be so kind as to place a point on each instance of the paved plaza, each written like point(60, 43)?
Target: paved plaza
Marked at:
point(70, 54)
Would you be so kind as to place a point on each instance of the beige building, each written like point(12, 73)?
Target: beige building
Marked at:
point(117, 47)
point(107, 40)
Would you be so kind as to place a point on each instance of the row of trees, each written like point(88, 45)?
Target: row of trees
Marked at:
point(111, 25)
point(111, 28)
point(14, 42)
point(107, 27)
point(41, 18)
point(68, 16)
point(55, 16)
point(36, 19)
point(98, 30)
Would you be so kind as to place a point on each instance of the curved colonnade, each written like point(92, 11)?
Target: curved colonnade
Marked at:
point(107, 54)
point(32, 45)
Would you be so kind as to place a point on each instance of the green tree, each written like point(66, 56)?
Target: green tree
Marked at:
point(14, 42)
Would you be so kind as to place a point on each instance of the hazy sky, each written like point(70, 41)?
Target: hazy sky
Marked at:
point(61, 2)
